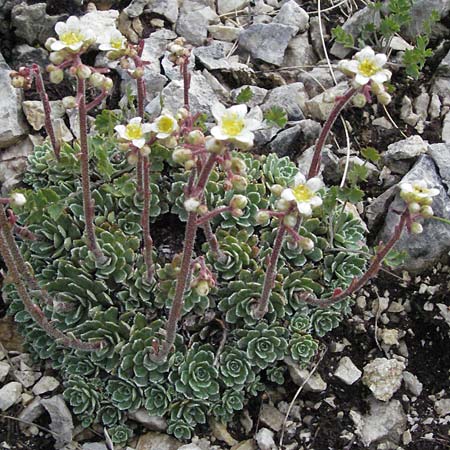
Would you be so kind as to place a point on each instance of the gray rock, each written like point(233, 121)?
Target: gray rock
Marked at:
point(293, 15)
point(12, 123)
point(154, 423)
point(296, 139)
point(441, 156)
point(386, 422)
point(30, 413)
point(317, 79)
point(135, 8)
point(446, 129)
point(347, 371)
point(226, 6)
point(44, 385)
point(320, 106)
point(171, 71)
point(442, 406)
point(214, 56)
point(190, 447)
point(34, 112)
point(193, 21)
point(328, 165)
point(313, 383)
point(157, 441)
point(32, 23)
point(400, 156)
point(25, 55)
point(299, 52)
point(155, 47)
point(10, 395)
point(4, 370)
point(271, 417)
point(224, 32)
point(265, 439)
point(291, 97)
point(383, 377)
point(267, 42)
point(372, 170)
point(412, 383)
point(201, 96)
point(27, 376)
point(427, 248)
point(61, 420)
point(376, 211)
point(258, 95)
point(94, 446)
point(406, 112)
point(165, 8)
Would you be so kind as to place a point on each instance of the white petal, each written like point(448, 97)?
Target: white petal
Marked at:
point(218, 110)
point(361, 80)
point(365, 53)
point(314, 184)
point(252, 124)
point(380, 59)
point(163, 135)
point(139, 143)
point(73, 23)
point(299, 179)
point(433, 192)
point(218, 133)
point(315, 201)
point(240, 110)
point(379, 77)
point(57, 45)
point(60, 28)
point(304, 208)
point(105, 47)
point(136, 120)
point(422, 184)
point(348, 66)
point(287, 194)
point(406, 187)
point(121, 130)
point(146, 128)
point(76, 47)
point(246, 137)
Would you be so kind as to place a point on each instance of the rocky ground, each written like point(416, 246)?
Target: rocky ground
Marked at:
point(383, 377)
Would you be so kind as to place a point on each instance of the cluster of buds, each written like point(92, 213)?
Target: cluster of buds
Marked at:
point(419, 198)
point(203, 279)
point(15, 199)
point(22, 78)
point(237, 204)
point(178, 52)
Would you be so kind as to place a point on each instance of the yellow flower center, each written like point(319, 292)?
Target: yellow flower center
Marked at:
point(302, 193)
point(165, 125)
point(133, 131)
point(71, 37)
point(368, 68)
point(116, 43)
point(232, 124)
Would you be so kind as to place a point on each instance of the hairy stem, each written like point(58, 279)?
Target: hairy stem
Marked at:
point(88, 206)
point(186, 83)
point(202, 220)
point(373, 269)
point(97, 100)
point(263, 303)
point(40, 87)
point(337, 109)
point(7, 252)
point(145, 221)
point(212, 241)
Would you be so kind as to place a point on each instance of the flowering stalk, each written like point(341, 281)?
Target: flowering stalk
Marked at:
point(88, 205)
point(358, 283)
point(213, 242)
point(184, 273)
point(40, 88)
point(7, 252)
point(148, 241)
point(337, 109)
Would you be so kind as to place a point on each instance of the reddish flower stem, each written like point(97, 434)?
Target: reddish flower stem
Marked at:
point(186, 83)
point(269, 280)
point(213, 242)
point(373, 269)
point(88, 205)
point(337, 109)
point(40, 87)
point(97, 100)
point(184, 274)
point(211, 214)
point(145, 221)
point(7, 251)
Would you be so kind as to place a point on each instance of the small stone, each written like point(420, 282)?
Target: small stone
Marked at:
point(446, 129)
point(94, 446)
point(292, 15)
point(383, 377)
point(4, 370)
point(406, 437)
point(320, 106)
point(245, 445)
point(318, 79)
point(347, 371)
point(258, 95)
point(25, 55)
point(406, 112)
point(442, 407)
point(27, 377)
point(389, 336)
point(224, 32)
point(299, 53)
point(226, 6)
point(214, 56)
point(246, 421)
point(155, 423)
point(44, 385)
point(267, 42)
point(220, 431)
point(61, 420)
point(30, 413)
point(291, 98)
point(190, 447)
point(434, 110)
point(412, 383)
point(315, 383)
point(264, 439)
point(166, 8)
point(34, 112)
point(400, 156)
point(10, 395)
point(271, 417)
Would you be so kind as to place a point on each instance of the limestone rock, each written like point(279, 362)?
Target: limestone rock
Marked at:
point(226, 6)
point(347, 371)
point(214, 56)
point(44, 385)
point(293, 15)
point(299, 52)
point(34, 112)
point(10, 395)
point(258, 95)
point(267, 42)
point(61, 420)
point(30, 413)
point(155, 423)
point(291, 97)
point(224, 32)
point(442, 406)
point(25, 55)
point(4, 370)
point(412, 383)
point(265, 440)
point(157, 441)
point(383, 377)
point(271, 417)
point(320, 106)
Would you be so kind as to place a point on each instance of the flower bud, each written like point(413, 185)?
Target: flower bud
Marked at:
point(239, 201)
point(56, 76)
point(191, 204)
point(96, 79)
point(282, 204)
point(137, 73)
point(195, 137)
point(276, 189)
point(384, 98)
point(202, 210)
point(49, 42)
point(145, 150)
point(239, 183)
point(83, 72)
point(306, 244)
point(18, 82)
point(124, 146)
point(188, 165)
point(416, 228)
point(176, 50)
point(170, 142)
point(212, 145)
point(17, 199)
point(427, 211)
point(202, 288)
point(359, 100)
point(57, 57)
point(262, 217)
point(132, 158)
point(377, 88)
point(69, 102)
point(290, 220)
point(107, 84)
point(181, 155)
point(238, 166)
point(237, 212)
point(414, 207)
point(182, 114)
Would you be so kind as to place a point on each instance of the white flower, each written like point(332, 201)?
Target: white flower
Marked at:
point(73, 35)
point(234, 125)
point(164, 125)
point(134, 131)
point(303, 193)
point(112, 40)
point(366, 67)
point(17, 199)
point(417, 192)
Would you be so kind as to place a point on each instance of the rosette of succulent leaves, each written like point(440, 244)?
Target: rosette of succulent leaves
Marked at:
point(121, 291)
